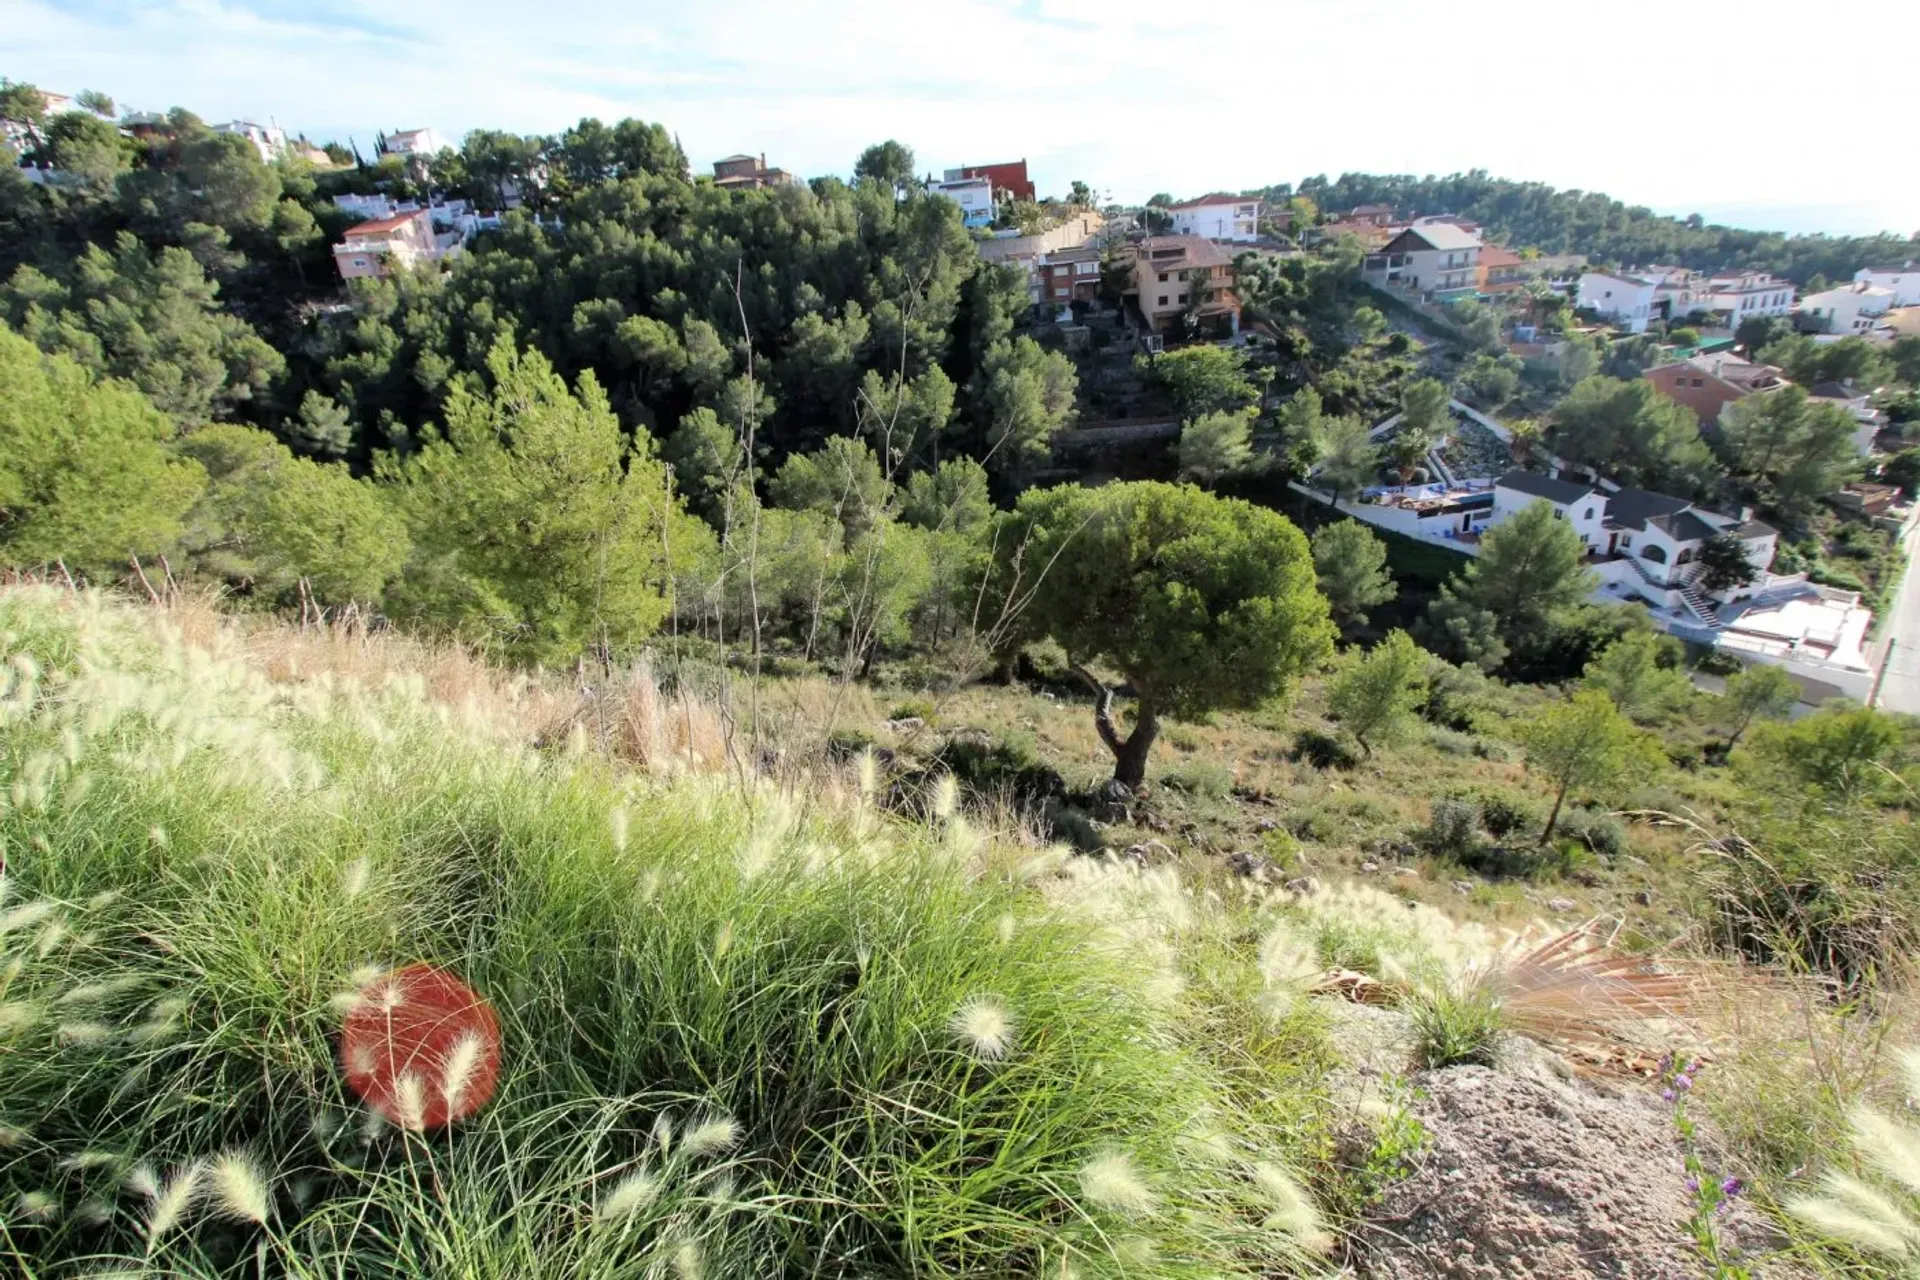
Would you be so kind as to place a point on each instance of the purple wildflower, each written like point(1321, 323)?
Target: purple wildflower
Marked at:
point(1732, 1187)
point(1667, 1095)
point(1666, 1063)
point(1693, 1186)
point(1683, 1082)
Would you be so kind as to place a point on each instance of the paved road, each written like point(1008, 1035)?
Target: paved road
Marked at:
point(1901, 691)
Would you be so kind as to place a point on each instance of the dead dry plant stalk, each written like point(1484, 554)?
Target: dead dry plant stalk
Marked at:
point(1576, 992)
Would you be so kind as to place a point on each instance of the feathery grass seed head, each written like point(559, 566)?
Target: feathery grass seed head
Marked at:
point(172, 1199)
point(457, 1072)
point(985, 1026)
point(629, 1196)
point(410, 1101)
point(1111, 1182)
point(239, 1188)
point(710, 1136)
point(1290, 1209)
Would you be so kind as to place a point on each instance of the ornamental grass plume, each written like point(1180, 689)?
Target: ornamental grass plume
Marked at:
point(238, 1187)
point(1110, 1181)
point(1859, 1213)
point(710, 1137)
point(984, 1026)
point(1291, 1210)
point(457, 1074)
point(629, 1196)
point(172, 1198)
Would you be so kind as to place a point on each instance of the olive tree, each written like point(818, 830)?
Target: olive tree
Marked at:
point(1200, 603)
point(1583, 742)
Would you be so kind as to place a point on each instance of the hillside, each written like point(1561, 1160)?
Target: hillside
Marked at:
point(737, 1026)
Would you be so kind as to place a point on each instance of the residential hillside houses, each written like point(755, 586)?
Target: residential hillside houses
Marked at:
point(1219, 216)
point(1010, 177)
point(1500, 270)
point(1707, 384)
point(1738, 296)
point(1619, 298)
point(1430, 257)
point(1070, 276)
point(410, 144)
point(1177, 275)
point(381, 246)
point(1849, 310)
point(1858, 404)
point(1903, 280)
point(269, 140)
point(1072, 231)
point(973, 195)
point(1645, 548)
point(746, 173)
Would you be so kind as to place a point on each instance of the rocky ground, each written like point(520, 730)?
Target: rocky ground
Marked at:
point(1533, 1173)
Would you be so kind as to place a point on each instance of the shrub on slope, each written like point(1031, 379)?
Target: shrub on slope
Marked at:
point(741, 1035)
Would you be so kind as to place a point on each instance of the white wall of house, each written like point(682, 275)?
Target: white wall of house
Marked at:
point(1847, 310)
point(1238, 222)
point(1588, 516)
point(1625, 302)
point(1904, 281)
point(973, 195)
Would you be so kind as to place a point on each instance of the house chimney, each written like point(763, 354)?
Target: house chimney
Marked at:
point(763, 160)
point(1746, 514)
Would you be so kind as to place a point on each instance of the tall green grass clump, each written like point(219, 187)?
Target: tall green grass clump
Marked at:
point(743, 1033)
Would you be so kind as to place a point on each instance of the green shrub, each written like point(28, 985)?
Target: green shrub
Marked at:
point(1005, 764)
point(846, 743)
point(914, 709)
point(1452, 741)
point(1452, 830)
point(1324, 750)
point(1312, 824)
point(1455, 1026)
point(1595, 829)
point(1201, 777)
point(1280, 845)
point(738, 1037)
point(1505, 812)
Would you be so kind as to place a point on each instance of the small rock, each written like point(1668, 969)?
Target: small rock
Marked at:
point(1149, 853)
point(1265, 825)
point(1369, 867)
point(1644, 897)
point(1463, 886)
point(1306, 886)
point(1244, 863)
point(1561, 905)
point(906, 724)
point(1405, 850)
point(1406, 871)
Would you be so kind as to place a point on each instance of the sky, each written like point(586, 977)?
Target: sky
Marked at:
point(1762, 113)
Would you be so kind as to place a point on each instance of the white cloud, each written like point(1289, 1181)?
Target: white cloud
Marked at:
point(1664, 104)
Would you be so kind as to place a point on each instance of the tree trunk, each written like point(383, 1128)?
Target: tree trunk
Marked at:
point(1554, 817)
point(1129, 753)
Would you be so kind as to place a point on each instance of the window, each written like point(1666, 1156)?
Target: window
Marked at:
point(1163, 280)
point(1626, 542)
point(1559, 513)
point(1182, 299)
point(1086, 268)
point(1587, 514)
point(1656, 554)
point(1064, 291)
point(1163, 299)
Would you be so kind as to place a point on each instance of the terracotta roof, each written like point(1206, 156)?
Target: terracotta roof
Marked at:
point(1196, 251)
point(1492, 255)
point(377, 225)
point(1218, 197)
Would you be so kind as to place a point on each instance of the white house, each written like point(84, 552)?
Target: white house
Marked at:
point(1870, 422)
point(1433, 257)
point(1739, 296)
point(1218, 217)
point(269, 140)
point(1849, 309)
point(1626, 300)
point(408, 143)
point(973, 195)
point(1904, 280)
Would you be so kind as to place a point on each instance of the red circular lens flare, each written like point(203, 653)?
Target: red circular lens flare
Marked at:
point(421, 1047)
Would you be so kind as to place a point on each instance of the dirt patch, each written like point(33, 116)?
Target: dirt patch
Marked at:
point(1532, 1178)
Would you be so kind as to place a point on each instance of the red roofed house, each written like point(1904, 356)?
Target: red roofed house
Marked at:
point(1011, 178)
point(1177, 275)
point(376, 247)
point(1218, 217)
point(1500, 271)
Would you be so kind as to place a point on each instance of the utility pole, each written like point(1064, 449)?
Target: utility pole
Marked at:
point(1873, 699)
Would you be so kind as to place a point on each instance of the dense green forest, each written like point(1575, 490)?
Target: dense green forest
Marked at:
point(1535, 215)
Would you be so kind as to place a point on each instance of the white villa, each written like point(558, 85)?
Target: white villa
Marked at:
point(1644, 548)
